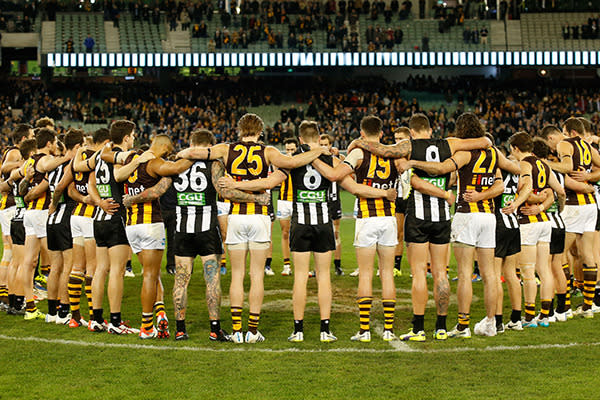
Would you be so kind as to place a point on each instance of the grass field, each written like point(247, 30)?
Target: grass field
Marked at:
point(50, 362)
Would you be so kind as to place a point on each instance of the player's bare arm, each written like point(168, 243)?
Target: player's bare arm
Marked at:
point(218, 172)
point(340, 169)
point(149, 194)
point(125, 171)
point(577, 184)
point(453, 163)
point(565, 155)
point(49, 163)
point(511, 166)
point(524, 189)
point(13, 160)
point(457, 144)
point(87, 165)
point(280, 160)
point(108, 205)
point(402, 149)
point(254, 185)
point(366, 191)
point(37, 191)
point(430, 189)
point(205, 153)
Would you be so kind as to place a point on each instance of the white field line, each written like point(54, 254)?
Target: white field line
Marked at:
point(397, 345)
point(247, 348)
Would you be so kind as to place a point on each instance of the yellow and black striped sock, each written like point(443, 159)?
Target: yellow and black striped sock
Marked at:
point(88, 295)
point(567, 272)
point(159, 307)
point(286, 261)
point(545, 310)
point(30, 306)
point(388, 314)
point(253, 322)
point(464, 319)
point(236, 319)
point(147, 321)
point(589, 284)
point(74, 288)
point(518, 272)
point(529, 311)
point(45, 270)
point(223, 261)
point(364, 312)
point(4, 294)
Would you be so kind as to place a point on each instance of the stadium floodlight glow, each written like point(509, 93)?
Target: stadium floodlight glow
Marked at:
point(195, 60)
point(493, 58)
point(363, 59)
point(470, 60)
point(81, 60)
point(417, 59)
point(439, 59)
point(96, 59)
point(325, 59)
point(455, 58)
point(508, 58)
point(585, 58)
point(211, 59)
point(73, 60)
point(166, 60)
point(447, 58)
point(287, 59)
point(569, 58)
point(546, 58)
point(378, 59)
point(516, 58)
point(57, 60)
point(264, 59)
point(410, 59)
point(295, 59)
point(88, 60)
point(218, 59)
point(249, 60)
point(280, 59)
point(577, 57)
point(463, 58)
point(257, 59)
point(348, 59)
point(486, 58)
point(593, 58)
point(180, 60)
point(355, 59)
point(371, 61)
point(539, 58)
point(127, 60)
point(530, 57)
point(554, 57)
point(386, 58)
point(424, 58)
point(203, 59)
point(50, 60)
point(394, 59)
point(477, 58)
point(402, 58)
point(149, 60)
point(562, 58)
point(119, 59)
point(158, 59)
point(103, 60)
point(188, 60)
point(111, 59)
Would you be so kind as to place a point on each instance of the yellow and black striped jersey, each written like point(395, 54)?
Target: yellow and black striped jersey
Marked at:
point(42, 202)
point(140, 180)
point(381, 173)
point(81, 182)
point(8, 199)
point(582, 161)
point(539, 180)
point(285, 192)
point(246, 161)
point(478, 174)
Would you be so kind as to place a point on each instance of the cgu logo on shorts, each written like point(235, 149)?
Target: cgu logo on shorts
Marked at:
point(104, 191)
point(191, 199)
point(310, 196)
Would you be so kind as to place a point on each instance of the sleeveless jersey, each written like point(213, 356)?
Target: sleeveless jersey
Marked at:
point(246, 161)
point(8, 199)
point(311, 193)
point(381, 173)
point(423, 206)
point(511, 184)
point(552, 212)
point(539, 179)
point(42, 202)
point(19, 202)
point(479, 174)
point(285, 192)
point(81, 181)
point(66, 204)
point(141, 213)
point(196, 196)
point(582, 161)
point(108, 188)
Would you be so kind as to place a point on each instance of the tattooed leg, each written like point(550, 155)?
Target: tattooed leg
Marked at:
point(183, 273)
point(212, 277)
point(441, 286)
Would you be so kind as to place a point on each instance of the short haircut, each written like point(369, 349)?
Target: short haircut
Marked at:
point(44, 136)
point(574, 124)
point(371, 125)
point(587, 125)
point(60, 146)
point(522, 141)
point(250, 125)
point(21, 131)
point(119, 129)
point(327, 137)
point(404, 131)
point(27, 147)
point(309, 131)
point(101, 135)
point(44, 122)
point(540, 148)
point(419, 122)
point(162, 139)
point(291, 140)
point(202, 137)
point(468, 126)
point(73, 138)
point(549, 130)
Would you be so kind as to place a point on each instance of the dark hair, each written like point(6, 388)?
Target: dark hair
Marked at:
point(101, 135)
point(371, 125)
point(119, 129)
point(202, 137)
point(21, 131)
point(549, 130)
point(419, 122)
point(468, 126)
point(522, 141)
point(44, 136)
point(309, 130)
point(73, 138)
point(27, 147)
point(540, 148)
point(44, 122)
point(250, 125)
point(587, 125)
point(327, 136)
point(574, 124)
point(292, 140)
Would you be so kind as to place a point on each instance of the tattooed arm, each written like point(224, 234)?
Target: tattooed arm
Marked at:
point(401, 149)
point(149, 194)
point(218, 171)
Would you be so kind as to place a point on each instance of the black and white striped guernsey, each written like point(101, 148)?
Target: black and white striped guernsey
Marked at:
point(553, 213)
point(66, 204)
point(423, 206)
point(196, 208)
point(511, 184)
point(312, 193)
point(19, 202)
point(108, 188)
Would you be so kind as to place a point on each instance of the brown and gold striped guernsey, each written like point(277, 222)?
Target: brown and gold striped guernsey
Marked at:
point(478, 175)
point(245, 162)
point(381, 173)
point(285, 192)
point(539, 180)
point(582, 161)
point(42, 202)
point(8, 199)
point(141, 213)
point(81, 181)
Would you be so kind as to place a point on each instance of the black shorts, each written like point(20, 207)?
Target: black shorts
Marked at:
point(271, 211)
point(420, 231)
point(598, 221)
point(508, 241)
point(17, 232)
point(59, 235)
point(557, 241)
point(317, 238)
point(335, 209)
point(401, 205)
point(110, 233)
point(199, 243)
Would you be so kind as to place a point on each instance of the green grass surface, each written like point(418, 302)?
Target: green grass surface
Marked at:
point(42, 361)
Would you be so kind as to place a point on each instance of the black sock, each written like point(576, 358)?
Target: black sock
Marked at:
point(476, 268)
point(268, 262)
point(19, 301)
point(440, 322)
point(180, 325)
point(215, 326)
point(98, 315)
point(337, 264)
point(515, 316)
point(551, 313)
point(597, 296)
point(52, 306)
point(560, 302)
point(298, 325)
point(115, 319)
point(11, 300)
point(325, 325)
point(397, 262)
point(63, 310)
point(418, 323)
point(499, 320)
point(128, 265)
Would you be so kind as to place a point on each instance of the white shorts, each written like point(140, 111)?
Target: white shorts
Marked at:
point(223, 208)
point(284, 209)
point(536, 232)
point(6, 217)
point(579, 219)
point(34, 222)
point(474, 229)
point(82, 227)
point(382, 231)
point(146, 236)
point(248, 228)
